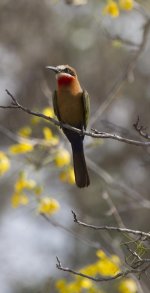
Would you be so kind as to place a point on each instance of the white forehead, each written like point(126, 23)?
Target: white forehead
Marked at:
point(61, 67)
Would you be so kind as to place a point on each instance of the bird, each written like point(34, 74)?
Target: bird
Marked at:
point(72, 106)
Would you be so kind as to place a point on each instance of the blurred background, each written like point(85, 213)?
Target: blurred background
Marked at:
point(37, 33)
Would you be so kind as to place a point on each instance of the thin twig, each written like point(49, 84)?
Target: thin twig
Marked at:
point(110, 228)
point(60, 267)
point(99, 279)
point(113, 210)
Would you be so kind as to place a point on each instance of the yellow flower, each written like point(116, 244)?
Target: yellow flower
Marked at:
point(62, 158)
point(21, 148)
point(30, 184)
point(24, 183)
point(107, 266)
point(19, 199)
point(115, 259)
point(126, 4)
point(63, 176)
point(48, 206)
point(68, 176)
point(61, 285)
point(85, 283)
point(20, 185)
point(71, 177)
point(25, 131)
point(72, 287)
point(90, 270)
point(47, 133)
point(111, 8)
point(48, 111)
point(4, 163)
point(128, 286)
point(101, 254)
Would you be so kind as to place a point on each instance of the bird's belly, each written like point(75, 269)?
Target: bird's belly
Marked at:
point(71, 110)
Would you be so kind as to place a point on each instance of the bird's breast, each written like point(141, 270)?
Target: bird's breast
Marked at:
point(70, 108)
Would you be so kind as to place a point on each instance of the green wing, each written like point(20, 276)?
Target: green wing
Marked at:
point(55, 105)
point(86, 108)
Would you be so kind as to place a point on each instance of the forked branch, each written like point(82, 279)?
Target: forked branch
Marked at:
point(93, 133)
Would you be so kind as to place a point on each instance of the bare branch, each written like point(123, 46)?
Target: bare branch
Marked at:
point(138, 266)
point(94, 133)
point(109, 228)
point(99, 279)
point(60, 267)
point(16, 105)
point(113, 210)
point(98, 134)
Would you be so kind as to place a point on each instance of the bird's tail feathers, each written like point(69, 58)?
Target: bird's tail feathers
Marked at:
point(80, 168)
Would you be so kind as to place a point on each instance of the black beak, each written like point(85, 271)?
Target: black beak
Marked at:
point(55, 69)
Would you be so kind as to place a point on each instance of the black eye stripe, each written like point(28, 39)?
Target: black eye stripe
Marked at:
point(69, 71)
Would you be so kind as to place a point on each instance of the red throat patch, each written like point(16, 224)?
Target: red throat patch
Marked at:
point(65, 80)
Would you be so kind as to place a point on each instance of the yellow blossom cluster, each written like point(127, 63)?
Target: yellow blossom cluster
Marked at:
point(127, 286)
point(67, 175)
point(22, 185)
point(21, 148)
point(49, 137)
point(63, 159)
point(105, 266)
point(46, 205)
point(47, 111)
point(25, 131)
point(4, 163)
point(113, 7)
point(79, 285)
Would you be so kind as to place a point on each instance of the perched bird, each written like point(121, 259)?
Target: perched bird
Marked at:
point(71, 106)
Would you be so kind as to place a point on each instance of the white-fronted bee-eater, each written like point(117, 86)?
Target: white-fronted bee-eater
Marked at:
point(71, 106)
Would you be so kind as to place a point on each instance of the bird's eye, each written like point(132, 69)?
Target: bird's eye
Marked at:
point(69, 71)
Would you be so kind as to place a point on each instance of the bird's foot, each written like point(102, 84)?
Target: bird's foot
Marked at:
point(82, 131)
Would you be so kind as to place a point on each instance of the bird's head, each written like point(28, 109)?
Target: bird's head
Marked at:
point(65, 74)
